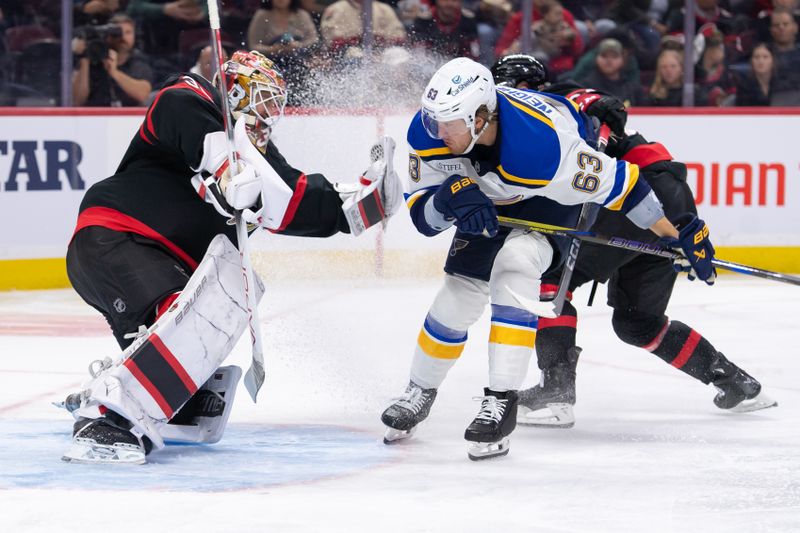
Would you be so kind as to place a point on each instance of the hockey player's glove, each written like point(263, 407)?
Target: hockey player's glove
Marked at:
point(696, 246)
point(461, 199)
point(606, 108)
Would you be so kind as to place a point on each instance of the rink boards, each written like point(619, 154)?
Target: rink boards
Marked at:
point(741, 166)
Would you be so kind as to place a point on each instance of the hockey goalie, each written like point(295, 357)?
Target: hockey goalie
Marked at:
point(154, 251)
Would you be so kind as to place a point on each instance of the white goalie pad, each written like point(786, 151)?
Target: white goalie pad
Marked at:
point(169, 362)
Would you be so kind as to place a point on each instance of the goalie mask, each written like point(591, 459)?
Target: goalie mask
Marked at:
point(256, 89)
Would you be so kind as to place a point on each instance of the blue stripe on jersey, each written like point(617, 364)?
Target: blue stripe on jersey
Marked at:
point(513, 315)
point(417, 212)
point(636, 195)
point(619, 182)
point(530, 151)
point(580, 118)
point(442, 333)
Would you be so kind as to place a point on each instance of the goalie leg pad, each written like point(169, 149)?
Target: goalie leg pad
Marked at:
point(204, 417)
point(164, 367)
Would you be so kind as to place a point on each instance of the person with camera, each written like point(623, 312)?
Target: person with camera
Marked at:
point(110, 72)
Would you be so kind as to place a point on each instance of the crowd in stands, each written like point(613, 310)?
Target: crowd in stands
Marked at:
point(746, 52)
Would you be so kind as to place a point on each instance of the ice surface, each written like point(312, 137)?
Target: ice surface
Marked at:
point(649, 451)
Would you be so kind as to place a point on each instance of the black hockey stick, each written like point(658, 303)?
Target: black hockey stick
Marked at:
point(641, 247)
point(584, 221)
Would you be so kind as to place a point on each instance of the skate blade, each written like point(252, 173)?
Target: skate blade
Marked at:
point(479, 451)
point(762, 401)
point(394, 436)
point(87, 451)
point(554, 415)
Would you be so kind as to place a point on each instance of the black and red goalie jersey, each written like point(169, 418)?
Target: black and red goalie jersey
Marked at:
point(151, 193)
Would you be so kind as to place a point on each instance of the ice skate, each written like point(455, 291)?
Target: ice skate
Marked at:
point(105, 441)
point(549, 404)
point(402, 417)
point(496, 419)
point(739, 392)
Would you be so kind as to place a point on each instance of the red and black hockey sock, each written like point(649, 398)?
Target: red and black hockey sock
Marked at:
point(685, 349)
point(555, 336)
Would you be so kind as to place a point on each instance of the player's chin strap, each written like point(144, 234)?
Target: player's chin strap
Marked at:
point(476, 136)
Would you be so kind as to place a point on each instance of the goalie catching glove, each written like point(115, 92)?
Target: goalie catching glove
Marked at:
point(698, 251)
point(256, 189)
point(377, 194)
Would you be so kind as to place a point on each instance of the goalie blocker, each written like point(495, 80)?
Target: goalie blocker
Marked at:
point(176, 359)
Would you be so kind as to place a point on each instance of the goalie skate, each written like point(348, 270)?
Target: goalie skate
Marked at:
point(87, 451)
point(101, 441)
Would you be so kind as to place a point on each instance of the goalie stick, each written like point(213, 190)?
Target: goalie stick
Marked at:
point(255, 375)
point(641, 247)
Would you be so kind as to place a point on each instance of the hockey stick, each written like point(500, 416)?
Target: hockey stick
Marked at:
point(641, 247)
point(255, 375)
point(575, 244)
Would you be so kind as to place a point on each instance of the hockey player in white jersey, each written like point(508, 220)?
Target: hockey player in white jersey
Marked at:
point(476, 150)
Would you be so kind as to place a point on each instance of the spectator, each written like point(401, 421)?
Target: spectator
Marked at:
point(706, 12)
point(591, 18)
point(491, 17)
point(755, 87)
point(571, 40)
point(608, 75)
point(713, 79)
point(783, 30)
point(449, 31)
point(97, 11)
point(162, 21)
point(121, 78)
point(206, 65)
point(667, 87)
point(281, 29)
point(763, 18)
point(586, 64)
point(633, 16)
point(342, 30)
point(409, 10)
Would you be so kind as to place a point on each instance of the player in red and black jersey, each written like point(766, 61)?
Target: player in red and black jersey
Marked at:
point(142, 232)
point(159, 214)
point(639, 285)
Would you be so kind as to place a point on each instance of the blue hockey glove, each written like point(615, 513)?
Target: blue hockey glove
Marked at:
point(694, 242)
point(461, 199)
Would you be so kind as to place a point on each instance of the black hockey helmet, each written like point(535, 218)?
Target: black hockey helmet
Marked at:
point(513, 69)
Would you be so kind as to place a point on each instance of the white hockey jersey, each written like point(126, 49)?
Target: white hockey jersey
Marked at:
point(541, 150)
